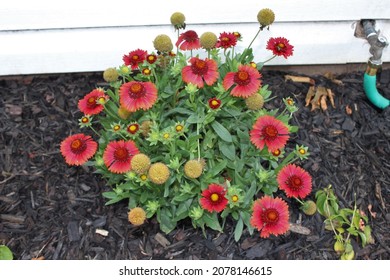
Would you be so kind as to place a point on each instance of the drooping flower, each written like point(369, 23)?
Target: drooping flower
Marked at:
point(188, 40)
point(270, 216)
point(226, 40)
point(140, 163)
point(90, 104)
point(280, 46)
point(118, 154)
point(269, 131)
point(78, 149)
point(214, 103)
point(294, 181)
point(158, 173)
point(200, 71)
point(193, 168)
point(246, 81)
point(134, 58)
point(136, 95)
point(208, 40)
point(213, 198)
point(137, 216)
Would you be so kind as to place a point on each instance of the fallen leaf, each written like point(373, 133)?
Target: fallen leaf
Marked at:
point(41, 258)
point(324, 107)
point(310, 94)
point(378, 194)
point(331, 97)
point(373, 214)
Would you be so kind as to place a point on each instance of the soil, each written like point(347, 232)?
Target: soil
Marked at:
point(49, 210)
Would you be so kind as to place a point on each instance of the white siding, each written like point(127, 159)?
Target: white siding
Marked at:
point(77, 36)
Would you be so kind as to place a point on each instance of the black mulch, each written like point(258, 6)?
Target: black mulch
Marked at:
point(51, 210)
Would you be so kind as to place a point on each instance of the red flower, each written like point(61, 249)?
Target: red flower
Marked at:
point(270, 216)
point(118, 154)
point(280, 46)
point(137, 95)
point(151, 58)
point(200, 71)
point(246, 81)
point(226, 40)
point(132, 128)
point(78, 149)
point(90, 104)
point(269, 131)
point(213, 198)
point(214, 103)
point(134, 58)
point(294, 181)
point(188, 40)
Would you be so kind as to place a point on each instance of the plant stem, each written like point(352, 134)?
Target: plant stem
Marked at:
point(269, 59)
point(257, 34)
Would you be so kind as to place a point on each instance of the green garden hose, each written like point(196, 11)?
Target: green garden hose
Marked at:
point(369, 84)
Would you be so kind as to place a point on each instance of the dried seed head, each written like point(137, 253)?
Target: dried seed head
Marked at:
point(255, 102)
point(193, 168)
point(137, 216)
point(208, 40)
point(158, 173)
point(265, 17)
point(163, 43)
point(110, 75)
point(140, 163)
point(178, 20)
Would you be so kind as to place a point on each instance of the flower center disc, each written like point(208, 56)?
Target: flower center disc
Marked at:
point(137, 90)
point(214, 197)
point(121, 154)
point(294, 182)
point(91, 102)
point(135, 57)
point(281, 46)
point(77, 146)
point(199, 67)
point(242, 78)
point(270, 216)
point(234, 198)
point(270, 132)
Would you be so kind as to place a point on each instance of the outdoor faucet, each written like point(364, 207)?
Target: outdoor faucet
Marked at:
point(366, 28)
point(377, 42)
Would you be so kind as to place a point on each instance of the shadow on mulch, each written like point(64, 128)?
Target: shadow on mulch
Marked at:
point(51, 210)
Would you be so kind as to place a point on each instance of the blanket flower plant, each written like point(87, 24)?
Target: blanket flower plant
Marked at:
point(185, 133)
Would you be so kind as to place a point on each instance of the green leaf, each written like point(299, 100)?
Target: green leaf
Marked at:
point(182, 210)
point(228, 150)
point(5, 253)
point(216, 169)
point(238, 230)
point(211, 220)
point(167, 223)
point(222, 132)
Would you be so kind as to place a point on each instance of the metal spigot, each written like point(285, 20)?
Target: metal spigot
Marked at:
point(376, 41)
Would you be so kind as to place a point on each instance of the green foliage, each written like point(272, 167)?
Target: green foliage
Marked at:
point(5, 253)
point(219, 138)
point(343, 222)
